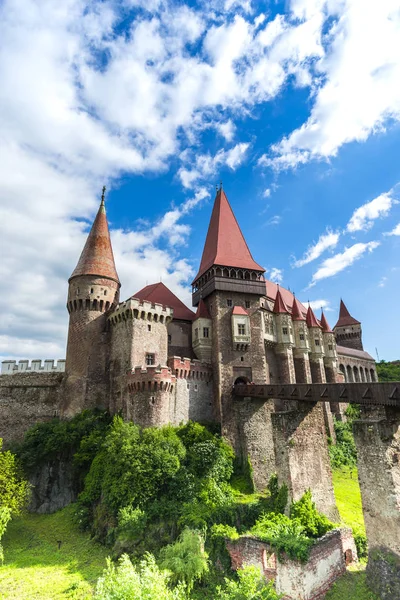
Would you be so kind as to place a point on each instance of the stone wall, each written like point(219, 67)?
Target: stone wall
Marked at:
point(180, 338)
point(298, 581)
point(26, 399)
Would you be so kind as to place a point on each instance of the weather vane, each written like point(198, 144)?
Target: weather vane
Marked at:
point(103, 193)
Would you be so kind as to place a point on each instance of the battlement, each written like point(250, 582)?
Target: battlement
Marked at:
point(151, 379)
point(11, 367)
point(186, 368)
point(141, 309)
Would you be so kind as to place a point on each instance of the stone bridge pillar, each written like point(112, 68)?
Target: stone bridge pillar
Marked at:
point(377, 437)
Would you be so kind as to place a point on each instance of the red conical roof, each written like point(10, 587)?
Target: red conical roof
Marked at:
point(324, 324)
point(160, 294)
point(297, 311)
point(345, 317)
point(225, 244)
point(279, 306)
point(202, 311)
point(97, 256)
point(311, 319)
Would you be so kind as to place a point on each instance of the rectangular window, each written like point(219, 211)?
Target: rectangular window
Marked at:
point(196, 387)
point(241, 329)
point(169, 338)
point(284, 330)
point(148, 327)
point(317, 342)
point(330, 346)
point(247, 303)
point(150, 359)
point(229, 302)
point(205, 332)
point(301, 336)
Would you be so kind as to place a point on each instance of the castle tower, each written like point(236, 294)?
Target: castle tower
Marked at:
point(285, 340)
point(202, 333)
point(231, 285)
point(316, 346)
point(330, 358)
point(302, 344)
point(93, 290)
point(348, 330)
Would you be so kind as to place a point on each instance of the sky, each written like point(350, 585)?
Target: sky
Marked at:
point(294, 106)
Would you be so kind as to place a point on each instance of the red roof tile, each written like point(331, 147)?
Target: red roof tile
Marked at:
point(324, 324)
point(202, 311)
point(239, 310)
point(343, 351)
point(345, 317)
point(225, 245)
point(97, 256)
point(297, 311)
point(288, 297)
point(279, 306)
point(311, 318)
point(158, 293)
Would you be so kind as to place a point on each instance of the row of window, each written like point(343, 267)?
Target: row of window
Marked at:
point(78, 291)
point(196, 387)
point(206, 332)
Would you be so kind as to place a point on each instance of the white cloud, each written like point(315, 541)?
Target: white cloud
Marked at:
point(275, 220)
point(267, 193)
point(227, 130)
point(317, 304)
point(325, 241)
point(358, 91)
point(382, 282)
point(339, 262)
point(395, 231)
point(205, 165)
point(364, 216)
point(276, 275)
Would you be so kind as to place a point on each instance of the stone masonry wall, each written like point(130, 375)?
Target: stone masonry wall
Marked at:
point(27, 399)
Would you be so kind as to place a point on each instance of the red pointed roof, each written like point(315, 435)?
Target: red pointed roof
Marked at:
point(225, 244)
point(158, 293)
point(311, 319)
point(271, 290)
point(239, 310)
point(279, 306)
point(97, 257)
point(297, 310)
point(202, 311)
point(324, 324)
point(345, 317)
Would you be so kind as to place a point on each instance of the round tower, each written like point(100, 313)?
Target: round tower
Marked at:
point(348, 330)
point(93, 290)
point(285, 340)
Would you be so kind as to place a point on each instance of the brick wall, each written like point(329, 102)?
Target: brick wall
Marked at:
point(27, 399)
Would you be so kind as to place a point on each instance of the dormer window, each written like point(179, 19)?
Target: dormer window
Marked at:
point(317, 342)
point(285, 330)
point(301, 336)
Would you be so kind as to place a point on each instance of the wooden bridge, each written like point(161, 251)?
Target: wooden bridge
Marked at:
point(372, 394)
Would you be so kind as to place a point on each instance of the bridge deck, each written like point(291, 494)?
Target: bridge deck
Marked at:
point(373, 394)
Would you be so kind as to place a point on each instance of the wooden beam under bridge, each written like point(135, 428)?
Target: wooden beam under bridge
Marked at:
point(372, 394)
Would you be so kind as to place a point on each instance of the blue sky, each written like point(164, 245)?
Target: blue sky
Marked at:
point(295, 106)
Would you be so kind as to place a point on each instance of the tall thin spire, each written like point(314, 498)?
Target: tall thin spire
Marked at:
point(311, 319)
point(279, 305)
point(225, 244)
point(297, 311)
point(324, 323)
point(97, 256)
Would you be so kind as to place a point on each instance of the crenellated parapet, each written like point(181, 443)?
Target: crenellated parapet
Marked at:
point(151, 379)
point(141, 309)
point(186, 368)
point(11, 367)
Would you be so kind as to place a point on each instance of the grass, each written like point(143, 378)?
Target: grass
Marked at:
point(352, 586)
point(348, 498)
point(35, 568)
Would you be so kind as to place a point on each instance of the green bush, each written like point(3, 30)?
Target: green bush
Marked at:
point(360, 540)
point(186, 558)
point(250, 585)
point(284, 534)
point(344, 452)
point(145, 582)
point(314, 523)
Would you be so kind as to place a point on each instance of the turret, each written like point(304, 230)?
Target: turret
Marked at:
point(316, 347)
point(285, 339)
point(348, 330)
point(302, 345)
point(202, 333)
point(330, 359)
point(93, 290)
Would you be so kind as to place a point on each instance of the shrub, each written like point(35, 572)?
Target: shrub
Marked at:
point(250, 585)
point(284, 534)
point(145, 582)
point(344, 452)
point(314, 523)
point(360, 540)
point(186, 558)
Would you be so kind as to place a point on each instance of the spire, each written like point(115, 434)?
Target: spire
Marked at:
point(311, 319)
point(279, 305)
point(202, 312)
point(324, 323)
point(225, 245)
point(345, 317)
point(297, 311)
point(97, 256)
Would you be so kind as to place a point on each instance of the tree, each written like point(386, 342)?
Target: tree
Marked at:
point(14, 490)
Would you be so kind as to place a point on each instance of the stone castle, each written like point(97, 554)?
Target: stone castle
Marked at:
point(155, 361)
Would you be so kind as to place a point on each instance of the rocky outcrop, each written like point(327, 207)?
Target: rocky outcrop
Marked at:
point(54, 486)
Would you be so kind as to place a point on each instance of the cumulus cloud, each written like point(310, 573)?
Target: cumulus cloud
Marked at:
point(317, 304)
point(358, 92)
point(207, 164)
point(395, 231)
point(275, 220)
point(325, 241)
point(339, 262)
point(276, 275)
point(364, 216)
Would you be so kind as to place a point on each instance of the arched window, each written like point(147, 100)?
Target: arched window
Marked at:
point(349, 374)
point(356, 374)
point(343, 370)
point(372, 372)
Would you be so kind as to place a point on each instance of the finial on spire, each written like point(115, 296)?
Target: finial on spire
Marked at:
point(220, 185)
point(103, 193)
